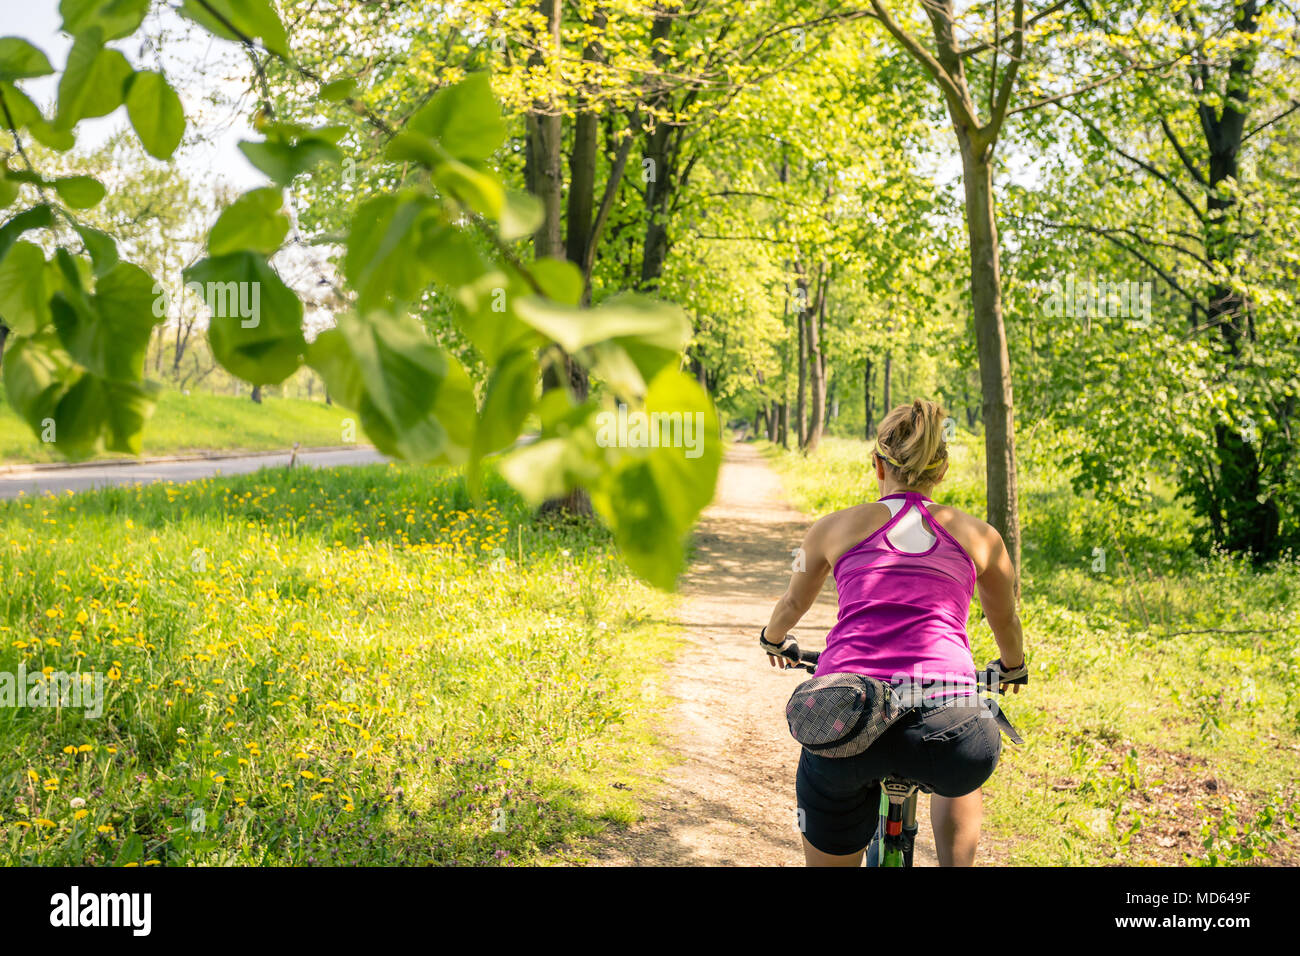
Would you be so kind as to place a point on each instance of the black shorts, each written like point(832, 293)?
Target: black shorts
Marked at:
point(951, 749)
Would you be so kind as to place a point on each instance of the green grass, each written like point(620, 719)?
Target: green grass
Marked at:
point(1162, 721)
point(320, 667)
point(198, 422)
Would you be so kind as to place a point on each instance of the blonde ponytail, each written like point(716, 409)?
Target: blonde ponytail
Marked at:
point(910, 440)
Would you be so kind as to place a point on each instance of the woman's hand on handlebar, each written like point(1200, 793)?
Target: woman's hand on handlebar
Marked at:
point(1004, 677)
point(784, 654)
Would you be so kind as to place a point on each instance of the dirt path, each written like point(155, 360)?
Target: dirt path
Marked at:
point(731, 799)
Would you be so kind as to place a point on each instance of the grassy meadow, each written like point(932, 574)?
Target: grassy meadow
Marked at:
point(1162, 718)
point(355, 666)
point(200, 422)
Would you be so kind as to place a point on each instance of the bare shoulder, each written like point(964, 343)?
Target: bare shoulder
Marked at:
point(839, 531)
point(979, 538)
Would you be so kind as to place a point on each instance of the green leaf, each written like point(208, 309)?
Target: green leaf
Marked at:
point(610, 362)
point(254, 19)
point(101, 247)
point(417, 402)
point(384, 261)
point(116, 18)
point(486, 318)
point(330, 357)
point(128, 406)
point(21, 108)
point(636, 507)
point(252, 222)
point(540, 471)
point(511, 389)
point(8, 190)
point(79, 192)
point(338, 90)
point(93, 80)
point(25, 114)
point(37, 217)
point(283, 157)
point(24, 294)
point(451, 255)
point(464, 119)
point(256, 325)
point(481, 191)
point(654, 494)
point(629, 316)
point(37, 373)
point(565, 456)
point(455, 408)
point(107, 332)
point(412, 147)
point(520, 216)
point(19, 60)
point(156, 114)
point(80, 412)
point(560, 279)
point(688, 470)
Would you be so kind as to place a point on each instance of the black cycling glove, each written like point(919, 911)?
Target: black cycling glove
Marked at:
point(787, 648)
point(997, 674)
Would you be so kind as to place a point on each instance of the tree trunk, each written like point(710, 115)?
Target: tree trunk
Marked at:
point(1248, 524)
point(544, 177)
point(886, 398)
point(658, 172)
point(816, 364)
point(257, 394)
point(801, 396)
point(774, 422)
point(991, 344)
point(868, 387)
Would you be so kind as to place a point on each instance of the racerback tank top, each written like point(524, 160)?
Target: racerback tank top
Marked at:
point(903, 614)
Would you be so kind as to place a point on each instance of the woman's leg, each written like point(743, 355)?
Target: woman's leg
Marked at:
point(815, 857)
point(956, 822)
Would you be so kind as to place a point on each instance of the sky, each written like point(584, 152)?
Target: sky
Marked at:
point(198, 66)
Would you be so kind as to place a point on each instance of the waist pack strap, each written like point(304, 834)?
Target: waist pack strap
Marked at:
point(1005, 725)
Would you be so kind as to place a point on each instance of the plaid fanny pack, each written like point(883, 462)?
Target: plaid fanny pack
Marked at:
point(841, 715)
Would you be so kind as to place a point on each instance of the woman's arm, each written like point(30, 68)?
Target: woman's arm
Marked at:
point(997, 598)
point(811, 569)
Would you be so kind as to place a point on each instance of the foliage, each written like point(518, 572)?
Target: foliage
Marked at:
point(81, 320)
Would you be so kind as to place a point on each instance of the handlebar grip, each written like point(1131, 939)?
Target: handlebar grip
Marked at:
point(809, 657)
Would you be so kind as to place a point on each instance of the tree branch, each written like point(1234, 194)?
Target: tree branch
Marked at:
point(958, 100)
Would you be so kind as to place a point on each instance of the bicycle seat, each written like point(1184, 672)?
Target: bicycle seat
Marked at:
point(898, 789)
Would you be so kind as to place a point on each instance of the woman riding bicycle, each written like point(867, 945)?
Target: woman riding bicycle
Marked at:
point(905, 568)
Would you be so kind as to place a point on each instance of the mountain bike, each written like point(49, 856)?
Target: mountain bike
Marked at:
point(895, 835)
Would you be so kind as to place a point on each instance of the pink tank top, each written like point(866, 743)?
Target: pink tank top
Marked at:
point(903, 615)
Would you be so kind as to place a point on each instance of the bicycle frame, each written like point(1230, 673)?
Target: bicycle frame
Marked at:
point(898, 800)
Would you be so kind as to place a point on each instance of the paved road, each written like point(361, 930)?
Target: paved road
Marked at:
point(93, 475)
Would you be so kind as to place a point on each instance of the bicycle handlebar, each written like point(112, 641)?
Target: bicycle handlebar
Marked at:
point(982, 678)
